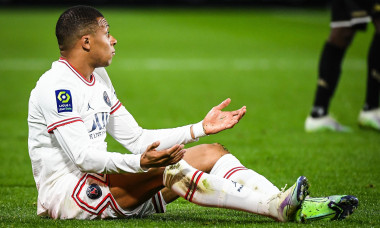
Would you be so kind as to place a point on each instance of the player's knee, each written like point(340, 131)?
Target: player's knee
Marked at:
point(209, 154)
point(215, 149)
point(221, 148)
point(213, 152)
point(341, 37)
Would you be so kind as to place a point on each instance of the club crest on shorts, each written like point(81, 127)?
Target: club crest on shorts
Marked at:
point(93, 191)
point(106, 98)
point(64, 100)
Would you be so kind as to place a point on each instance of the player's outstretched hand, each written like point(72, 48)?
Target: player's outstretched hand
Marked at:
point(217, 120)
point(153, 158)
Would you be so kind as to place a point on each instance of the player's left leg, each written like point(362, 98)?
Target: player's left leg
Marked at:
point(214, 191)
point(258, 191)
point(370, 115)
point(229, 167)
point(217, 160)
point(325, 208)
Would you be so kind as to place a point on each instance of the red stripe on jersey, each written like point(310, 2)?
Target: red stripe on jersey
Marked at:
point(195, 187)
point(160, 202)
point(233, 170)
point(102, 205)
point(191, 184)
point(63, 122)
point(154, 204)
point(72, 68)
point(115, 107)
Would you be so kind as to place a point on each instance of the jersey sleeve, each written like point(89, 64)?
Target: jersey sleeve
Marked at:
point(59, 105)
point(124, 128)
point(74, 140)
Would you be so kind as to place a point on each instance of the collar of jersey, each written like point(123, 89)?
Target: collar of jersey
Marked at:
point(87, 82)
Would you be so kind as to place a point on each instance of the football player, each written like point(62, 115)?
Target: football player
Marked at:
point(74, 106)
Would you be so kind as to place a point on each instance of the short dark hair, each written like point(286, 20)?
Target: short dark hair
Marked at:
point(74, 23)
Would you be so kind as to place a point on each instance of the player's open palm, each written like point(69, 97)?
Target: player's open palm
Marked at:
point(217, 120)
point(153, 158)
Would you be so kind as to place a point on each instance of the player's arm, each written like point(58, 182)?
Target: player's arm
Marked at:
point(73, 138)
point(124, 128)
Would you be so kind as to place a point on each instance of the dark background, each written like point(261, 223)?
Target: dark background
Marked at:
point(166, 3)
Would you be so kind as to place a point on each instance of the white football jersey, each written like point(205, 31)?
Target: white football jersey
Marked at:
point(68, 119)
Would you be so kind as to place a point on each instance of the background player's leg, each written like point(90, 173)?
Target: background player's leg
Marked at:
point(330, 68)
point(328, 76)
point(370, 115)
point(373, 76)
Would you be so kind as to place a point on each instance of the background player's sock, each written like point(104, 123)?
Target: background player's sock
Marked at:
point(229, 167)
point(373, 75)
point(329, 73)
point(214, 191)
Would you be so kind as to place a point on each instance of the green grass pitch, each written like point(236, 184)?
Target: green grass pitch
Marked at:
point(173, 65)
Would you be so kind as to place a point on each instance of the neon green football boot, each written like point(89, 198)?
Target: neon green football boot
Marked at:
point(336, 207)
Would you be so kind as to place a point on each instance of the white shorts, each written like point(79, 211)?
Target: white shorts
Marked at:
point(90, 198)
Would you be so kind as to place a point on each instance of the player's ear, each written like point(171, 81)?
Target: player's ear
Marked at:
point(85, 42)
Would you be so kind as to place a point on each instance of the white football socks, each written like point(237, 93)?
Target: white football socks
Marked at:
point(215, 191)
point(229, 167)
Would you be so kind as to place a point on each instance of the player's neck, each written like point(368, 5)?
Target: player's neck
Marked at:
point(80, 65)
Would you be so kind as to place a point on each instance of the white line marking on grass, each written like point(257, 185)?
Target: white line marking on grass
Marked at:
point(190, 64)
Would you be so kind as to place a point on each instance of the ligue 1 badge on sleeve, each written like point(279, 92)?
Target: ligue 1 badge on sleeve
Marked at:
point(64, 100)
point(106, 98)
point(93, 191)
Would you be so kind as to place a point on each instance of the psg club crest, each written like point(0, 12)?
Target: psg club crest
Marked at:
point(106, 98)
point(94, 192)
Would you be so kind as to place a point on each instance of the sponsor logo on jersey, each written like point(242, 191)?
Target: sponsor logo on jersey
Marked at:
point(64, 100)
point(99, 125)
point(106, 98)
point(93, 191)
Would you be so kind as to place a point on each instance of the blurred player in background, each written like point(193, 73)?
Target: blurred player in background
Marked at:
point(74, 106)
point(348, 16)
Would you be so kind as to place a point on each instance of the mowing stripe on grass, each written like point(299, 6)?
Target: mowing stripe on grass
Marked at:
point(196, 64)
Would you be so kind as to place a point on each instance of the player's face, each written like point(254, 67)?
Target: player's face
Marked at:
point(103, 45)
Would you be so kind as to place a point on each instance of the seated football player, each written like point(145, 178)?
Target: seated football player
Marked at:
point(74, 106)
